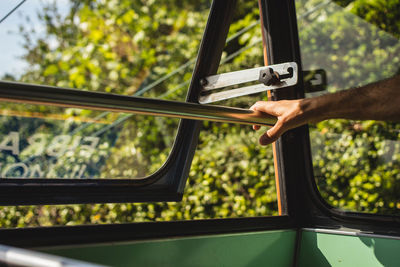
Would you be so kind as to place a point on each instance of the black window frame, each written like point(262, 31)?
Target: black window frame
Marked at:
point(302, 205)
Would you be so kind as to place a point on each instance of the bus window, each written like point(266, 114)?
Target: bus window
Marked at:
point(231, 175)
point(356, 163)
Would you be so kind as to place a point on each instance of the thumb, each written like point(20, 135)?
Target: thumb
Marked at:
point(271, 135)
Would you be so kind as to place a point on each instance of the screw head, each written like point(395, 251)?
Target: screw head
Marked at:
point(268, 77)
point(203, 82)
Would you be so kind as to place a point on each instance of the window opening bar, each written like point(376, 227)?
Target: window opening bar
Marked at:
point(47, 95)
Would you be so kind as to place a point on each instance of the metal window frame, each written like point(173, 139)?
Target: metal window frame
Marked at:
point(167, 183)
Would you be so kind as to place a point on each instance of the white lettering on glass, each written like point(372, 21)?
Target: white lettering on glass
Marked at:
point(90, 147)
point(42, 144)
point(37, 144)
point(13, 167)
point(11, 143)
point(58, 145)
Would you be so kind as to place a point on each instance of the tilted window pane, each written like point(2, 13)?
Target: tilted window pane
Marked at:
point(122, 47)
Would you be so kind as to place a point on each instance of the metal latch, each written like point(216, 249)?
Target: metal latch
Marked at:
point(315, 80)
point(268, 78)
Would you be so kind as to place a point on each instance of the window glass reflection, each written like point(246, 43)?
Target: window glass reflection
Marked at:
point(356, 163)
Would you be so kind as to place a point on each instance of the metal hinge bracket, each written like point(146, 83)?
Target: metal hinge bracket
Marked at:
point(269, 78)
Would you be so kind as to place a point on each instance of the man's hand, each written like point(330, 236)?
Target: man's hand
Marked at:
point(290, 114)
point(376, 101)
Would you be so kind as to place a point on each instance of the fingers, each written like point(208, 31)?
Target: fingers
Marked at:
point(268, 107)
point(286, 111)
point(271, 135)
point(255, 127)
point(262, 106)
point(253, 107)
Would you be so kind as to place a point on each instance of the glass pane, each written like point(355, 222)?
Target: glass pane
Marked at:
point(356, 163)
point(233, 176)
point(51, 142)
point(124, 47)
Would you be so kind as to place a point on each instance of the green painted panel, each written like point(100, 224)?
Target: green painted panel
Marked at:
point(272, 248)
point(321, 249)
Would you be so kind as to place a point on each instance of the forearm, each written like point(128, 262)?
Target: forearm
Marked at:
point(377, 101)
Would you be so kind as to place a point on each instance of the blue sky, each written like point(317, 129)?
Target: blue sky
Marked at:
point(10, 40)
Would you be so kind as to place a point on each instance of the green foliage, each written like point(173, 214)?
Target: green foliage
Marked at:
point(96, 54)
point(357, 164)
point(124, 46)
point(382, 13)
